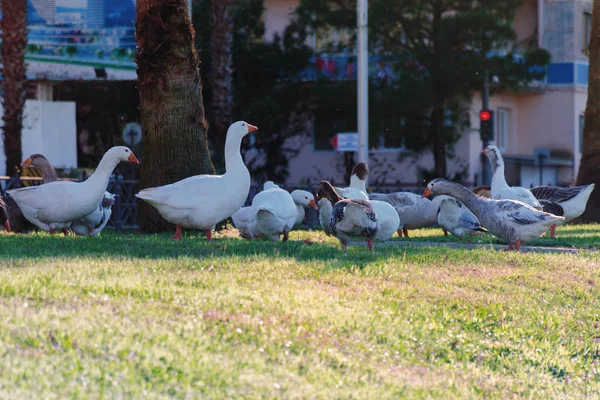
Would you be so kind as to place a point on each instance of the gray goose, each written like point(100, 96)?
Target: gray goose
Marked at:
point(350, 218)
point(509, 220)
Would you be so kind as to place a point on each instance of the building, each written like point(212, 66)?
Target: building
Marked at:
point(41, 12)
point(545, 120)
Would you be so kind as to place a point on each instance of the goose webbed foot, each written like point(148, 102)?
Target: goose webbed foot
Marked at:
point(177, 235)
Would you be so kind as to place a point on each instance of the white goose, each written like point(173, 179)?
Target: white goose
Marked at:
point(273, 212)
point(202, 201)
point(350, 218)
point(570, 200)
point(55, 205)
point(500, 189)
point(510, 220)
point(457, 219)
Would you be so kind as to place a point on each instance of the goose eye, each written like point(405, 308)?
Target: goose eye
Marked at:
point(126, 150)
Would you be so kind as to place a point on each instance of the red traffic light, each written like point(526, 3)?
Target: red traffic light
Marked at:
point(484, 115)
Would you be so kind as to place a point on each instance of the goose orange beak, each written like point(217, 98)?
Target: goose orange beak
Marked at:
point(252, 128)
point(133, 159)
point(426, 193)
point(7, 226)
point(26, 163)
point(483, 152)
point(312, 204)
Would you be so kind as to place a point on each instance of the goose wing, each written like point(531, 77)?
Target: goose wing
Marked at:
point(557, 194)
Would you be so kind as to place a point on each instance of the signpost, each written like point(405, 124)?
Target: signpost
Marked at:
point(346, 141)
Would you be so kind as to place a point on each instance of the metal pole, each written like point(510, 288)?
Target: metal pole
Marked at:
point(362, 11)
point(485, 100)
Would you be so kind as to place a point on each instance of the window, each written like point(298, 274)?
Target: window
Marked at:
point(503, 127)
point(587, 31)
point(581, 123)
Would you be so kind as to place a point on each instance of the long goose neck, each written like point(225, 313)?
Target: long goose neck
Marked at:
point(233, 157)
point(498, 177)
point(99, 179)
point(465, 196)
point(48, 172)
point(357, 183)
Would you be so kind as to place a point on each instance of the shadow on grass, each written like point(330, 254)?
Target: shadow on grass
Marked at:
point(160, 246)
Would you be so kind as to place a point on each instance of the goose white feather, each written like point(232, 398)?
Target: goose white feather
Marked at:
point(456, 218)
point(202, 201)
point(55, 205)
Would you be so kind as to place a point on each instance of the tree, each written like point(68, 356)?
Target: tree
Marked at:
point(172, 111)
point(441, 48)
point(221, 45)
point(268, 91)
point(589, 170)
point(14, 84)
point(71, 51)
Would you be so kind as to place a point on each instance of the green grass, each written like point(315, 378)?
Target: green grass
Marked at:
point(142, 316)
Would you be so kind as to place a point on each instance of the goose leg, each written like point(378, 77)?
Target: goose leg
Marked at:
point(370, 244)
point(399, 232)
point(208, 233)
point(552, 231)
point(343, 245)
point(510, 247)
point(470, 237)
point(177, 235)
point(286, 236)
point(91, 231)
point(518, 245)
point(65, 231)
point(405, 231)
point(52, 231)
point(445, 232)
point(7, 226)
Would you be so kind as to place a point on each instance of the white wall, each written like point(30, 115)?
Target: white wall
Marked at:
point(49, 128)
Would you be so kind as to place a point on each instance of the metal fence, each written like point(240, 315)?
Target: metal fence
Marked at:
point(124, 211)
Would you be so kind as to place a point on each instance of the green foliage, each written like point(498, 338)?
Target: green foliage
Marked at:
point(143, 316)
point(71, 51)
point(442, 49)
point(267, 90)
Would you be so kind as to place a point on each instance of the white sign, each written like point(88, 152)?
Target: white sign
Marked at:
point(345, 141)
point(49, 128)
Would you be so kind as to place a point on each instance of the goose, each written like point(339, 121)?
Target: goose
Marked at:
point(272, 213)
point(569, 202)
point(510, 220)
point(202, 201)
point(357, 188)
point(414, 211)
point(95, 222)
point(4, 215)
point(55, 205)
point(303, 199)
point(387, 217)
point(500, 189)
point(457, 219)
point(350, 218)
point(325, 209)
point(91, 224)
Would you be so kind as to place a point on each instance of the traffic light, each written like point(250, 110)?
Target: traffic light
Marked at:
point(486, 124)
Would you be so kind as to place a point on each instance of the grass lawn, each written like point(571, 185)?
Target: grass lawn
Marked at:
point(142, 316)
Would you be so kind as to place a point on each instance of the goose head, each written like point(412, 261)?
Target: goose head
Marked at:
point(304, 198)
point(36, 161)
point(438, 186)
point(361, 171)
point(240, 129)
point(121, 153)
point(493, 154)
point(326, 191)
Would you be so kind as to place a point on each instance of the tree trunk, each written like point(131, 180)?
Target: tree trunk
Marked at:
point(14, 83)
point(589, 170)
point(173, 122)
point(439, 142)
point(221, 42)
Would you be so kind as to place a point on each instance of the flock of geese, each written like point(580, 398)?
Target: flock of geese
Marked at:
point(513, 214)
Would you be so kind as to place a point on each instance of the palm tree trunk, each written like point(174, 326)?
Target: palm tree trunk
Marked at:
point(173, 122)
point(222, 23)
point(14, 83)
point(589, 170)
